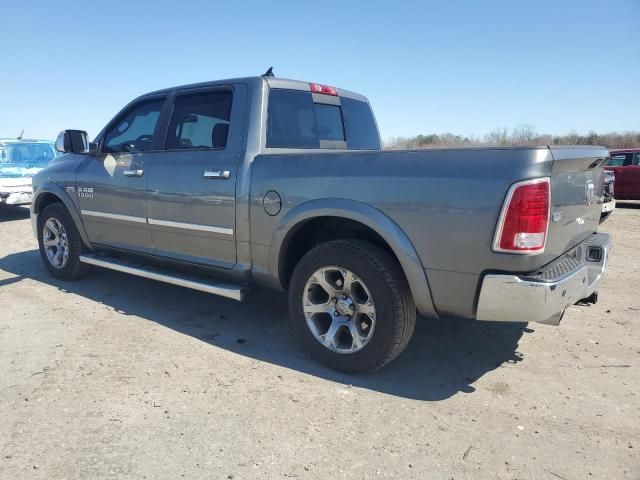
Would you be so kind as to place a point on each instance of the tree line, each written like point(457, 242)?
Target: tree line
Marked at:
point(520, 135)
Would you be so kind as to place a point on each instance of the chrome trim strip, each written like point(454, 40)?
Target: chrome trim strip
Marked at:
point(158, 222)
point(191, 226)
point(113, 216)
point(234, 292)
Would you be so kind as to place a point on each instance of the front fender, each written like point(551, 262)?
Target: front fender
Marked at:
point(372, 218)
point(50, 188)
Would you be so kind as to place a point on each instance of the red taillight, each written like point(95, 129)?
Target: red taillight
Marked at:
point(317, 88)
point(525, 218)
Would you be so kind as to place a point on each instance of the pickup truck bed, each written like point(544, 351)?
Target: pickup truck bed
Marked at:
point(283, 184)
point(446, 202)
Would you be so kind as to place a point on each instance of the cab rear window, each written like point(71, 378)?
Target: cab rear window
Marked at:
point(296, 121)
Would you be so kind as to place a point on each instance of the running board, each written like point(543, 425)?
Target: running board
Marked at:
point(227, 290)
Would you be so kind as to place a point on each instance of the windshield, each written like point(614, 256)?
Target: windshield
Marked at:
point(24, 159)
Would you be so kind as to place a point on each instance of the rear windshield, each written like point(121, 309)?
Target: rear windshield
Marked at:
point(296, 121)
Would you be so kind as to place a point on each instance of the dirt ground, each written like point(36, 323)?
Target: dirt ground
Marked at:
point(121, 377)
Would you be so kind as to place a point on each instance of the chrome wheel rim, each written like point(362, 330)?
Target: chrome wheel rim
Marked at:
point(55, 242)
point(339, 309)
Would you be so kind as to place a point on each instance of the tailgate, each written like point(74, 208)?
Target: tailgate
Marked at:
point(577, 184)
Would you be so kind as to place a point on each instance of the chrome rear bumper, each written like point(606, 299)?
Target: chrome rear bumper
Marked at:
point(542, 296)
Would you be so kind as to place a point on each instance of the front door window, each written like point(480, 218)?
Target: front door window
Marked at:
point(133, 131)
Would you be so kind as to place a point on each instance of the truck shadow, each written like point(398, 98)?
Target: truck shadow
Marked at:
point(444, 357)
point(10, 213)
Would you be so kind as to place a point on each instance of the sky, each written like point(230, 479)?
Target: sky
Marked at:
point(465, 67)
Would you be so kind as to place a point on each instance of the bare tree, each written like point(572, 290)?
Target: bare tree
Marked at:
point(521, 135)
point(497, 137)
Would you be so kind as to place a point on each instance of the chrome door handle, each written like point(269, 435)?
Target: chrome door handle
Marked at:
point(133, 173)
point(217, 174)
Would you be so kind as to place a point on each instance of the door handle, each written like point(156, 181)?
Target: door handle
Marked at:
point(133, 173)
point(217, 174)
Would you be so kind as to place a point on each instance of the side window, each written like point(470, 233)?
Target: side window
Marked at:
point(200, 120)
point(133, 132)
point(616, 160)
point(636, 159)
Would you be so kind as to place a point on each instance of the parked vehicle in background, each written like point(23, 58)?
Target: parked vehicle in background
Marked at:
point(283, 183)
point(625, 164)
point(20, 160)
point(608, 200)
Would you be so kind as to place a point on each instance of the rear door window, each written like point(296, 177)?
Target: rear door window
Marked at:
point(200, 121)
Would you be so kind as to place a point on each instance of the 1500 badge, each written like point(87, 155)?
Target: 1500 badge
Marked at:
point(85, 192)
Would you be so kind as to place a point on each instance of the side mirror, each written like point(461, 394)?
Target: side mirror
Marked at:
point(75, 141)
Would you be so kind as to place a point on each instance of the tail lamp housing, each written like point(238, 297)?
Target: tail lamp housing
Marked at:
point(524, 220)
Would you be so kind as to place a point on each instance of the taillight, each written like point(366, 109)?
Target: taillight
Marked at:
point(317, 88)
point(524, 219)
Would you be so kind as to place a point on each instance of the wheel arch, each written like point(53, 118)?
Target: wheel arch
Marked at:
point(49, 193)
point(290, 241)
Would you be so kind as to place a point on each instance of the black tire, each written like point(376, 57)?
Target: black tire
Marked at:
point(73, 268)
point(395, 309)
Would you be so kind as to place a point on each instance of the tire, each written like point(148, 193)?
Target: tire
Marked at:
point(71, 268)
point(379, 284)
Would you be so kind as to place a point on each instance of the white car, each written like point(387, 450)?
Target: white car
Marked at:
point(19, 161)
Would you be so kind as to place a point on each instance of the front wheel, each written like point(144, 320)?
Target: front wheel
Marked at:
point(60, 243)
point(351, 305)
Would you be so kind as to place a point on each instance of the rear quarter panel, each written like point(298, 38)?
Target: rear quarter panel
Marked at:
point(446, 201)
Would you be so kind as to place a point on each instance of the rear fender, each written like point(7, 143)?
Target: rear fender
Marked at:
point(372, 218)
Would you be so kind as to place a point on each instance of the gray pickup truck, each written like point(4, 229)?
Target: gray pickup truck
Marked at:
point(264, 181)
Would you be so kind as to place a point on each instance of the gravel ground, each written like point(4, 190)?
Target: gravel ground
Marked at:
point(121, 377)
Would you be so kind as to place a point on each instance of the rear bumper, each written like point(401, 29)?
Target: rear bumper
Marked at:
point(542, 296)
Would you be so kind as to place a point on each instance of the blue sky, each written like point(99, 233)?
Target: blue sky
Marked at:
point(464, 67)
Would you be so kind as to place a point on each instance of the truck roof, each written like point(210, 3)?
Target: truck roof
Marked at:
point(273, 82)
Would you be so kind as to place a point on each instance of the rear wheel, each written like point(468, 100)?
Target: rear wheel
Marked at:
point(351, 306)
point(60, 243)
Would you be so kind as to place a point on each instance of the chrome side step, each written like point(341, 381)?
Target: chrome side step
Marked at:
point(235, 292)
